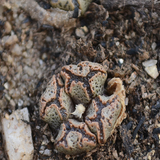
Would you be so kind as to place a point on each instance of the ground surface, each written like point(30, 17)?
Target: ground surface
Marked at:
point(130, 35)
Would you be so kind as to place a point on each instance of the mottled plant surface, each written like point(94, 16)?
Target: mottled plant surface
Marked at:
point(129, 33)
point(98, 111)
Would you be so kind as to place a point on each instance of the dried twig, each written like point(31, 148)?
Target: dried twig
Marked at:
point(138, 127)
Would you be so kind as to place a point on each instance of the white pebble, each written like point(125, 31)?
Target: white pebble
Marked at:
point(126, 101)
point(47, 152)
point(17, 136)
point(6, 85)
point(40, 62)
point(29, 70)
point(41, 151)
point(20, 103)
point(154, 45)
point(152, 71)
point(121, 61)
point(38, 127)
point(149, 63)
point(117, 43)
point(151, 68)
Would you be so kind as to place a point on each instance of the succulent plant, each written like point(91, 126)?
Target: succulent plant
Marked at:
point(70, 5)
point(75, 104)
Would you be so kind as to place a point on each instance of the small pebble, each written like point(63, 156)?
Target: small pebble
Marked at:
point(146, 10)
point(48, 39)
point(20, 103)
point(6, 116)
point(121, 61)
point(154, 45)
point(149, 63)
point(81, 32)
point(38, 127)
point(7, 27)
point(29, 44)
point(12, 103)
point(41, 151)
point(147, 108)
point(6, 85)
point(151, 68)
point(117, 43)
point(154, 15)
point(16, 50)
point(44, 56)
point(126, 101)
point(40, 62)
point(47, 152)
point(10, 40)
point(29, 70)
point(7, 97)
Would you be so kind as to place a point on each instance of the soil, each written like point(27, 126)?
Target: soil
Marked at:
point(118, 38)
